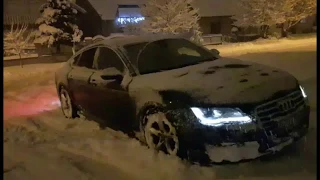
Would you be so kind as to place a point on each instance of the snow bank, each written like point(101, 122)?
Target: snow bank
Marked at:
point(31, 101)
point(136, 160)
point(85, 139)
point(237, 49)
point(29, 75)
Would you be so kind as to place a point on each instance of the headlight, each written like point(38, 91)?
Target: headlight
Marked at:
point(303, 92)
point(220, 116)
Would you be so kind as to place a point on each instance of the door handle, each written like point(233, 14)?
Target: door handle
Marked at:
point(93, 82)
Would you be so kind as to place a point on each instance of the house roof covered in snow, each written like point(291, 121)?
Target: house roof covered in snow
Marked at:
point(25, 11)
point(207, 8)
point(21, 11)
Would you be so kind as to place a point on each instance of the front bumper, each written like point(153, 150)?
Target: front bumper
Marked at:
point(223, 144)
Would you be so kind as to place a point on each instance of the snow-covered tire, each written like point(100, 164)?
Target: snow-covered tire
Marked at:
point(160, 134)
point(67, 106)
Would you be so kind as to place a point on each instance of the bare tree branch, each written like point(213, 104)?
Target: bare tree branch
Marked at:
point(17, 39)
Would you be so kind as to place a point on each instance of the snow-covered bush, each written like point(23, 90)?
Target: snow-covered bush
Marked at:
point(17, 39)
point(132, 28)
point(276, 35)
point(171, 17)
point(57, 24)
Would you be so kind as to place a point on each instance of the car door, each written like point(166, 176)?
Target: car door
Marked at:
point(114, 104)
point(78, 78)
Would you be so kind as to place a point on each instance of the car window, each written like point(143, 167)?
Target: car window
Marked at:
point(76, 59)
point(187, 51)
point(133, 51)
point(86, 58)
point(107, 58)
point(171, 54)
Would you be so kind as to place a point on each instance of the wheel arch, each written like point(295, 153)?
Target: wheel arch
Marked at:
point(60, 86)
point(149, 107)
point(63, 85)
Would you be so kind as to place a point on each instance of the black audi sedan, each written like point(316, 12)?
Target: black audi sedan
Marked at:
point(180, 98)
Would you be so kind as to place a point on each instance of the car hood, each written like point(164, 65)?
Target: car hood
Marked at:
point(222, 81)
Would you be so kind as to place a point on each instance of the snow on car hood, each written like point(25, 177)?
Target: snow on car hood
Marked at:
point(221, 81)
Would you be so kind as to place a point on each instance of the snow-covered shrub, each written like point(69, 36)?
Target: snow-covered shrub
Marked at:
point(57, 24)
point(171, 17)
point(132, 28)
point(17, 39)
point(276, 35)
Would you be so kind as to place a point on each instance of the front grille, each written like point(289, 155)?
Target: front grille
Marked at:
point(269, 112)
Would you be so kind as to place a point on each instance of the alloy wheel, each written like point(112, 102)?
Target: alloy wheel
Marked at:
point(66, 104)
point(160, 134)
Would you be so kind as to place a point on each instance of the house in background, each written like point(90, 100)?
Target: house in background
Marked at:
point(90, 21)
point(21, 12)
point(104, 17)
point(115, 14)
point(306, 25)
point(215, 14)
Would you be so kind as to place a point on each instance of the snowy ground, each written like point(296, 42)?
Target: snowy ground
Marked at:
point(265, 45)
point(40, 144)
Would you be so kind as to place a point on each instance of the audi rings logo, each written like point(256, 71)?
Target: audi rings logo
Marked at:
point(286, 105)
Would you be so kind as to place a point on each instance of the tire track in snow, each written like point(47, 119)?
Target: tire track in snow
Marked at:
point(30, 102)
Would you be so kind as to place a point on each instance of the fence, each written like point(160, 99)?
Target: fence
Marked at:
point(212, 39)
point(39, 60)
point(241, 38)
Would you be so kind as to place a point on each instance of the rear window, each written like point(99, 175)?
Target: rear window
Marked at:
point(133, 51)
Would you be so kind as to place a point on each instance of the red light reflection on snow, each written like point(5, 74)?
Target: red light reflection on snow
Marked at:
point(33, 103)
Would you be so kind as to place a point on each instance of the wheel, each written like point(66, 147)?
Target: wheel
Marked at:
point(67, 107)
point(160, 134)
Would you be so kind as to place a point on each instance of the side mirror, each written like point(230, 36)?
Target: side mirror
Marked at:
point(112, 74)
point(215, 51)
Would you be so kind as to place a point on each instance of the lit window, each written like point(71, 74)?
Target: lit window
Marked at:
point(129, 14)
point(128, 20)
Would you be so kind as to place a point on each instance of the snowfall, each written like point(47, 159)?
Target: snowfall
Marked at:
point(39, 143)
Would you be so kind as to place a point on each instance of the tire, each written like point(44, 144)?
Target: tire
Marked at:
point(160, 134)
point(67, 106)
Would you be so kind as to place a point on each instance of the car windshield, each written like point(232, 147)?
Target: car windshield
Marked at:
point(166, 54)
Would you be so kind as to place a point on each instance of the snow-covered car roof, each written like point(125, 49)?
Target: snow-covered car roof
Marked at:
point(130, 39)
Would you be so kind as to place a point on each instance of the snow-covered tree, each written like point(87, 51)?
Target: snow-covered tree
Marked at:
point(256, 13)
point(17, 39)
point(291, 12)
point(57, 24)
point(265, 13)
point(171, 17)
